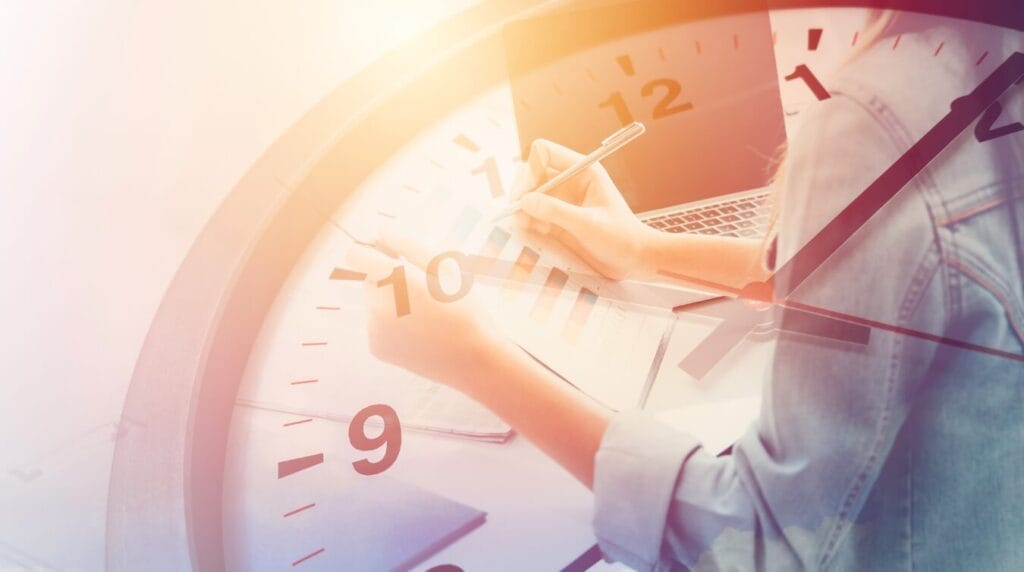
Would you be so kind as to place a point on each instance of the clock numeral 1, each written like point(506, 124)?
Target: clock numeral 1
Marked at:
point(663, 108)
point(804, 73)
point(490, 168)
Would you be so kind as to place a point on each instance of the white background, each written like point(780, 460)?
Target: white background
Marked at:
point(122, 127)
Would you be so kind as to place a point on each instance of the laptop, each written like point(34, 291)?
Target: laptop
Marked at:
point(703, 80)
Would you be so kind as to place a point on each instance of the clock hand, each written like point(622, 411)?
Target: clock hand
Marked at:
point(963, 112)
point(650, 297)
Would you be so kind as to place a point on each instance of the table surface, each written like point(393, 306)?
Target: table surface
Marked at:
point(538, 516)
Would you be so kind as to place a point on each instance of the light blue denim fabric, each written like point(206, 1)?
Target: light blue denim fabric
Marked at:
point(904, 454)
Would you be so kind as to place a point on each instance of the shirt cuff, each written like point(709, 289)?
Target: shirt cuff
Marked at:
point(635, 475)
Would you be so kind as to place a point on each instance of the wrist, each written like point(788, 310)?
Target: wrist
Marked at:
point(649, 245)
point(482, 362)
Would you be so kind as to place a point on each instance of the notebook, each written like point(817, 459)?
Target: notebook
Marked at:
point(360, 524)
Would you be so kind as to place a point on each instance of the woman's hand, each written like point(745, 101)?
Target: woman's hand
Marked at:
point(448, 342)
point(453, 343)
point(586, 213)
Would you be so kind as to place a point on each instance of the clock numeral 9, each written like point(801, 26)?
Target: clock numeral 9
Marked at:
point(390, 438)
point(663, 108)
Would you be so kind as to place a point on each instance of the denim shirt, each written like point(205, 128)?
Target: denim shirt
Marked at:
point(901, 454)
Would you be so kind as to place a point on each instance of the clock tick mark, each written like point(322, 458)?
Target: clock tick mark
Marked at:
point(896, 42)
point(939, 49)
point(626, 63)
point(981, 59)
point(313, 344)
point(292, 466)
point(304, 381)
point(299, 422)
point(661, 53)
point(590, 74)
point(334, 308)
point(437, 164)
point(308, 556)
point(27, 475)
point(813, 38)
point(411, 188)
point(735, 41)
point(346, 274)
point(697, 46)
point(300, 509)
point(466, 143)
point(855, 36)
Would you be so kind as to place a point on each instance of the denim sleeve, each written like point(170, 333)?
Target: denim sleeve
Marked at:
point(795, 482)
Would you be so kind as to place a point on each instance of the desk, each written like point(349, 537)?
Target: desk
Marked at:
point(538, 516)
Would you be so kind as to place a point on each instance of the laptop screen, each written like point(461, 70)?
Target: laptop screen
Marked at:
point(704, 84)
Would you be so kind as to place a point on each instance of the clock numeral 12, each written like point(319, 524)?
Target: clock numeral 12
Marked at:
point(397, 280)
point(663, 108)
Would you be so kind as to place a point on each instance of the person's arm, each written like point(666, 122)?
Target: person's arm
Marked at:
point(474, 358)
point(794, 485)
point(558, 419)
point(729, 261)
point(589, 216)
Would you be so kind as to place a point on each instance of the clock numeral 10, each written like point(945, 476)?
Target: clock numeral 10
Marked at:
point(398, 281)
point(664, 107)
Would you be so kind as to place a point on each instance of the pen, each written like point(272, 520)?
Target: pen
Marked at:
point(611, 144)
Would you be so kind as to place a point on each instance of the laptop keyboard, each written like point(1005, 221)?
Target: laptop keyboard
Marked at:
point(740, 217)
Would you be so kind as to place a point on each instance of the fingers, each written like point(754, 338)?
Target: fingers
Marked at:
point(546, 160)
point(553, 211)
point(544, 153)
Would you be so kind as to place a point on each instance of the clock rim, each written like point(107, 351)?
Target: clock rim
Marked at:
point(164, 497)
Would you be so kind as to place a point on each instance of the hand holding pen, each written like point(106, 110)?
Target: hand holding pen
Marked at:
point(609, 145)
point(575, 202)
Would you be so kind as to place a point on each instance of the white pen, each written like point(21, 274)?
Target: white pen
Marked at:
point(611, 144)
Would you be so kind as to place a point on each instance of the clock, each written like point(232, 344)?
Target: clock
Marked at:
point(254, 316)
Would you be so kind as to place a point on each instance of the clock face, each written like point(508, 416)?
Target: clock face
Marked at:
point(312, 472)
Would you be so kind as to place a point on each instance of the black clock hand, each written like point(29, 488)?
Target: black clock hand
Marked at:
point(963, 112)
point(737, 323)
point(649, 297)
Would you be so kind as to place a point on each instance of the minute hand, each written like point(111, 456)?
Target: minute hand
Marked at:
point(963, 112)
